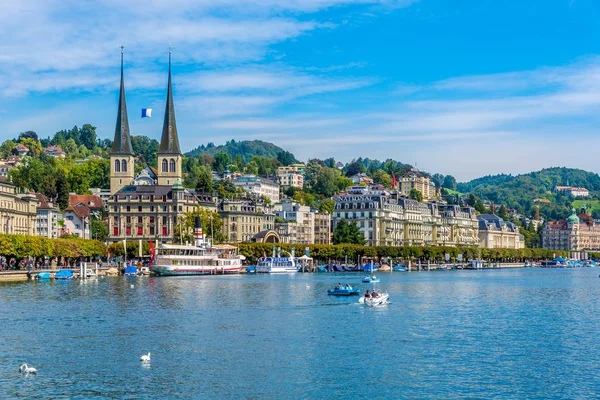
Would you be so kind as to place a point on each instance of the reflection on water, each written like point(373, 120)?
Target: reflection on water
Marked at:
point(509, 333)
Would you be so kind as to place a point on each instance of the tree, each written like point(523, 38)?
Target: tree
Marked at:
point(222, 161)
point(205, 181)
point(87, 136)
point(347, 232)
point(6, 148)
point(98, 229)
point(286, 158)
point(28, 135)
point(416, 195)
point(326, 182)
point(327, 206)
point(502, 212)
point(449, 182)
point(70, 147)
point(354, 168)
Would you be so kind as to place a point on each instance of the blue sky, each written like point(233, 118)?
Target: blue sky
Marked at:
point(463, 87)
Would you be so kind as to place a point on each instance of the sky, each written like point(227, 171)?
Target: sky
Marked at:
point(462, 87)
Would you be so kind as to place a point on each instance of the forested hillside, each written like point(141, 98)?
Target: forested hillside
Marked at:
point(519, 192)
point(245, 149)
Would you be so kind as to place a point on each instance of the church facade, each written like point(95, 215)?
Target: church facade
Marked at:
point(149, 206)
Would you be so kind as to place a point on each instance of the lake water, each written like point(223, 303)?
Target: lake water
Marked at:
point(522, 333)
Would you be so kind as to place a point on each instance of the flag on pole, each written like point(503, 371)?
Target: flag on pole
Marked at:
point(394, 182)
point(152, 252)
point(146, 112)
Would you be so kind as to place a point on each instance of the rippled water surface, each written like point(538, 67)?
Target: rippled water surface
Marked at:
point(462, 334)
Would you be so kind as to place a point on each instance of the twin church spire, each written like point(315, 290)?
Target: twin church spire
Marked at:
point(169, 154)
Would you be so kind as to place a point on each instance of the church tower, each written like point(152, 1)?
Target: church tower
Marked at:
point(169, 155)
point(121, 155)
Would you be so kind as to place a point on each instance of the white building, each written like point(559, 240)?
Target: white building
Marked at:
point(258, 186)
point(77, 221)
point(48, 215)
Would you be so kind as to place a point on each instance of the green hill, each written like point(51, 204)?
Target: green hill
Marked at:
point(245, 148)
point(520, 191)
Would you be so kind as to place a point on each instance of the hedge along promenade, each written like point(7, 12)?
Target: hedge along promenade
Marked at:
point(323, 252)
point(23, 246)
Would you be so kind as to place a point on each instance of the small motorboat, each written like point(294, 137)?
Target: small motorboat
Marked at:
point(90, 274)
point(399, 268)
point(251, 269)
point(370, 279)
point(376, 299)
point(131, 271)
point(320, 268)
point(64, 275)
point(343, 291)
point(42, 276)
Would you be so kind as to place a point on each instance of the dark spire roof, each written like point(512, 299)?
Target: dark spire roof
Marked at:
point(169, 142)
point(122, 141)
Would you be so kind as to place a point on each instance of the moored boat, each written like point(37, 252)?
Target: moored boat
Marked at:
point(131, 270)
point(42, 275)
point(64, 275)
point(277, 265)
point(202, 258)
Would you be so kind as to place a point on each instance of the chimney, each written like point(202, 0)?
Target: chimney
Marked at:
point(197, 231)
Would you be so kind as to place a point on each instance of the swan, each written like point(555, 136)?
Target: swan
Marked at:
point(25, 369)
point(307, 286)
point(145, 357)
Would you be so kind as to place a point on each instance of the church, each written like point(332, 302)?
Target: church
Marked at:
point(147, 207)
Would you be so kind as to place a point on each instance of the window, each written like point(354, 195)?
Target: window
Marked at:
point(139, 220)
point(151, 220)
point(164, 220)
point(164, 231)
point(128, 208)
point(151, 208)
point(117, 166)
point(172, 165)
point(180, 208)
point(164, 208)
point(165, 165)
point(140, 209)
point(77, 226)
point(115, 231)
point(116, 220)
point(128, 220)
point(124, 166)
point(140, 231)
point(128, 231)
point(151, 230)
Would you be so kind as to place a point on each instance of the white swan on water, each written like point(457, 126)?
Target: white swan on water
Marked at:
point(24, 369)
point(145, 357)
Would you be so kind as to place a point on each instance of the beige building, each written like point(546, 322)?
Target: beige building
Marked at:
point(421, 183)
point(389, 219)
point(322, 228)
point(291, 175)
point(18, 212)
point(244, 219)
point(576, 233)
point(495, 233)
point(301, 224)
